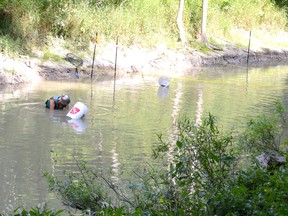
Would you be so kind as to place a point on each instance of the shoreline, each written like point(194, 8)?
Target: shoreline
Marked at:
point(135, 61)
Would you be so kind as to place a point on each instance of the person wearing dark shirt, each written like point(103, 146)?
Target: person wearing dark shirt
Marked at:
point(58, 102)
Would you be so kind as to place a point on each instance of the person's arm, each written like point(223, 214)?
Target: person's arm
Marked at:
point(52, 104)
point(66, 107)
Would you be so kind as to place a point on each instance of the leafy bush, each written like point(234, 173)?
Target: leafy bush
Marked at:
point(201, 162)
point(264, 133)
point(88, 190)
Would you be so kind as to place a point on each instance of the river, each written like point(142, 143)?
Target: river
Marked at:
point(122, 124)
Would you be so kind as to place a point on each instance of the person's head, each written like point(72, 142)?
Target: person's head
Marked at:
point(65, 99)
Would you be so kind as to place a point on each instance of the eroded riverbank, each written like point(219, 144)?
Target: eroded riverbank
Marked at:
point(134, 61)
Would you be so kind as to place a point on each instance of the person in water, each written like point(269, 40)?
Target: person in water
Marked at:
point(58, 102)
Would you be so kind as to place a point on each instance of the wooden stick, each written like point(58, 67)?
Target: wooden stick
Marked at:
point(248, 48)
point(115, 69)
point(96, 41)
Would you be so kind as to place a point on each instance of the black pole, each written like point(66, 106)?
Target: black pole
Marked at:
point(248, 48)
point(96, 40)
point(115, 69)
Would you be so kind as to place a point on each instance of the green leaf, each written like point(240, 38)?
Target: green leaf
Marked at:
point(119, 211)
point(228, 159)
point(214, 157)
point(179, 144)
point(59, 212)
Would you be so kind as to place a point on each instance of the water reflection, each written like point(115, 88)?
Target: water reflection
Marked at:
point(9, 187)
point(115, 160)
point(59, 117)
point(163, 92)
point(199, 109)
point(175, 115)
point(56, 116)
point(79, 125)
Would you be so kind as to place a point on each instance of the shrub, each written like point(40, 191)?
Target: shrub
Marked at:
point(205, 172)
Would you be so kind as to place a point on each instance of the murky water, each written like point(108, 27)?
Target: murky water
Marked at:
point(122, 125)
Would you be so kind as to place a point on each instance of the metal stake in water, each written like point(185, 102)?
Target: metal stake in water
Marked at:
point(248, 48)
point(96, 41)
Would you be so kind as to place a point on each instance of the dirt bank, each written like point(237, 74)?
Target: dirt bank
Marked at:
point(132, 61)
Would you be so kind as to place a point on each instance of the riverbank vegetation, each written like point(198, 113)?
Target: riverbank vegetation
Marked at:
point(30, 24)
point(205, 171)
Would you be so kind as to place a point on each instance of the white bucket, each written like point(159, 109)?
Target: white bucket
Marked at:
point(164, 81)
point(79, 110)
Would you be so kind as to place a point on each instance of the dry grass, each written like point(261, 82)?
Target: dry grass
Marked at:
point(260, 39)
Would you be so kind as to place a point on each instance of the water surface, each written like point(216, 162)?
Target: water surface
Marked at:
point(122, 125)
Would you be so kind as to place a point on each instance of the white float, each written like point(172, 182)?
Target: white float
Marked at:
point(164, 81)
point(78, 111)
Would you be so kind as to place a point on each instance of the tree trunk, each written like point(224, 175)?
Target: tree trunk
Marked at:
point(204, 21)
point(180, 23)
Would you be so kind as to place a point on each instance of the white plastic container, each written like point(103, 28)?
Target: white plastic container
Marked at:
point(78, 111)
point(164, 81)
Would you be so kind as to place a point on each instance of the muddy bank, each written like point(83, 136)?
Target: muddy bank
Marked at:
point(132, 61)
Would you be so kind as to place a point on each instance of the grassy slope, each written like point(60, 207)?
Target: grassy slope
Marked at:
point(146, 23)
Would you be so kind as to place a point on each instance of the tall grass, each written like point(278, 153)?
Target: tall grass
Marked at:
point(145, 22)
point(227, 15)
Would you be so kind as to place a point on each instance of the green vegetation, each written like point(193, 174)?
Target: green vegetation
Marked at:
point(282, 4)
point(30, 23)
point(51, 56)
point(204, 172)
point(40, 210)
